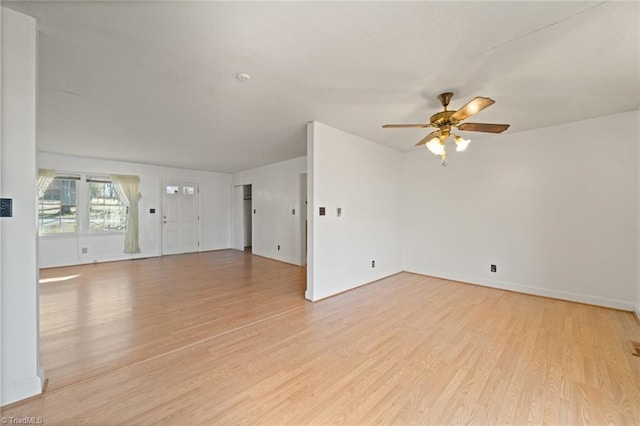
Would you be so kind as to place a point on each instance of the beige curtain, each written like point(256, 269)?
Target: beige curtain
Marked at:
point(45, 177)
point(128, 191)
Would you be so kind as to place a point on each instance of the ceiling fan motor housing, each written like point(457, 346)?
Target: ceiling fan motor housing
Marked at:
point(442, 118)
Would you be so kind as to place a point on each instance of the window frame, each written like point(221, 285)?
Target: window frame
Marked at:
point(103, 180)
point(83, 208)
point(62, 177)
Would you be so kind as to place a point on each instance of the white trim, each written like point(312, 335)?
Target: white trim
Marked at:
point(536, 291)
point(41, 373)
point(637, 313)
point(86, 259)
point(315, 297)
point(74, 235)
point(214, 247)
point(26, 388)
point(285, 259)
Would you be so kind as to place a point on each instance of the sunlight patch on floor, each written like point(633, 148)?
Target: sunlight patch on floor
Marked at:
point(56, 279)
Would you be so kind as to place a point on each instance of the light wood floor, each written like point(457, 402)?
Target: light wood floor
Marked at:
point(227, 338)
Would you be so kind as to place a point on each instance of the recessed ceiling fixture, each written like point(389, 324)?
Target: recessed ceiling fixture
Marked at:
point(243, 76)
point(446, 119)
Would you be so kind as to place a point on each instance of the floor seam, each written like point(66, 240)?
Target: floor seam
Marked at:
point(187, 346)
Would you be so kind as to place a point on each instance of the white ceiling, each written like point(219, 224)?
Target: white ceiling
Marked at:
point(154, 82)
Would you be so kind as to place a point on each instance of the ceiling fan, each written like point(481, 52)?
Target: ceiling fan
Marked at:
point(444, 120)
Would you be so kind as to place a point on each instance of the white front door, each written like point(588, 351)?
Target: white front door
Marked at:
point(180, 217)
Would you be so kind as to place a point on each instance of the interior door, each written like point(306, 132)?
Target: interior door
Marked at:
point(180, 217)
point(238, 217)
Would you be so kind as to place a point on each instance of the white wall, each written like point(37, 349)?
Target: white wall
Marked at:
point(638, 217)
point(362, 178)
point(275, 193)
point(215, 211)
point(553, 208)
point(21, 375)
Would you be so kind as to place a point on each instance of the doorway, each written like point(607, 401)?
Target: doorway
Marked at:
point(180, 217)
point(242, 217)
point(248, 222)
point(303, 219)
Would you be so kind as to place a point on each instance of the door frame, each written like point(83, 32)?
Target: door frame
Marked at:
point(237, 217)
point(303, 193)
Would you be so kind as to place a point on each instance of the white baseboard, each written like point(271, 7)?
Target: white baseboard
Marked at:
point(119, 257)
point(86, 259)
point(285, 259)
point(41, 375)
point(637, 312)
point(214, 247)
point(26, 388)
point(536, 291)
point(378, 276)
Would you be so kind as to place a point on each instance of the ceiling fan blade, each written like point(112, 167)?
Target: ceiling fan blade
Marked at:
point(483, 127)
point(428, 137)
point(397, 126)
point(472, 107)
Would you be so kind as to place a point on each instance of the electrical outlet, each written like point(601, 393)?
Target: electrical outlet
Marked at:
point(85, 250)
point(339, 211)
point(323, 211)
point(373, 263)
point(278, 246)
point(494, 268)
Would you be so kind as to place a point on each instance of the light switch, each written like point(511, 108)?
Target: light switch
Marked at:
point(6, 207)
point(339, 211)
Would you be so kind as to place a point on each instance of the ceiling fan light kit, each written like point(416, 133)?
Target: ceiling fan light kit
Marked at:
point(446, 119)
point(461, 143)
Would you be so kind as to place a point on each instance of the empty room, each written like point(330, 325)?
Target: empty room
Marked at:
point(320, 212)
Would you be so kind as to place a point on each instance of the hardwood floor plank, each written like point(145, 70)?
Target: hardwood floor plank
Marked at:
point(227, 338)
point(116, 314)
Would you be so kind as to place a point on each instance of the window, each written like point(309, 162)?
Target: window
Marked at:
point(58, 210)
point(81, 203)
point(106, 212)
